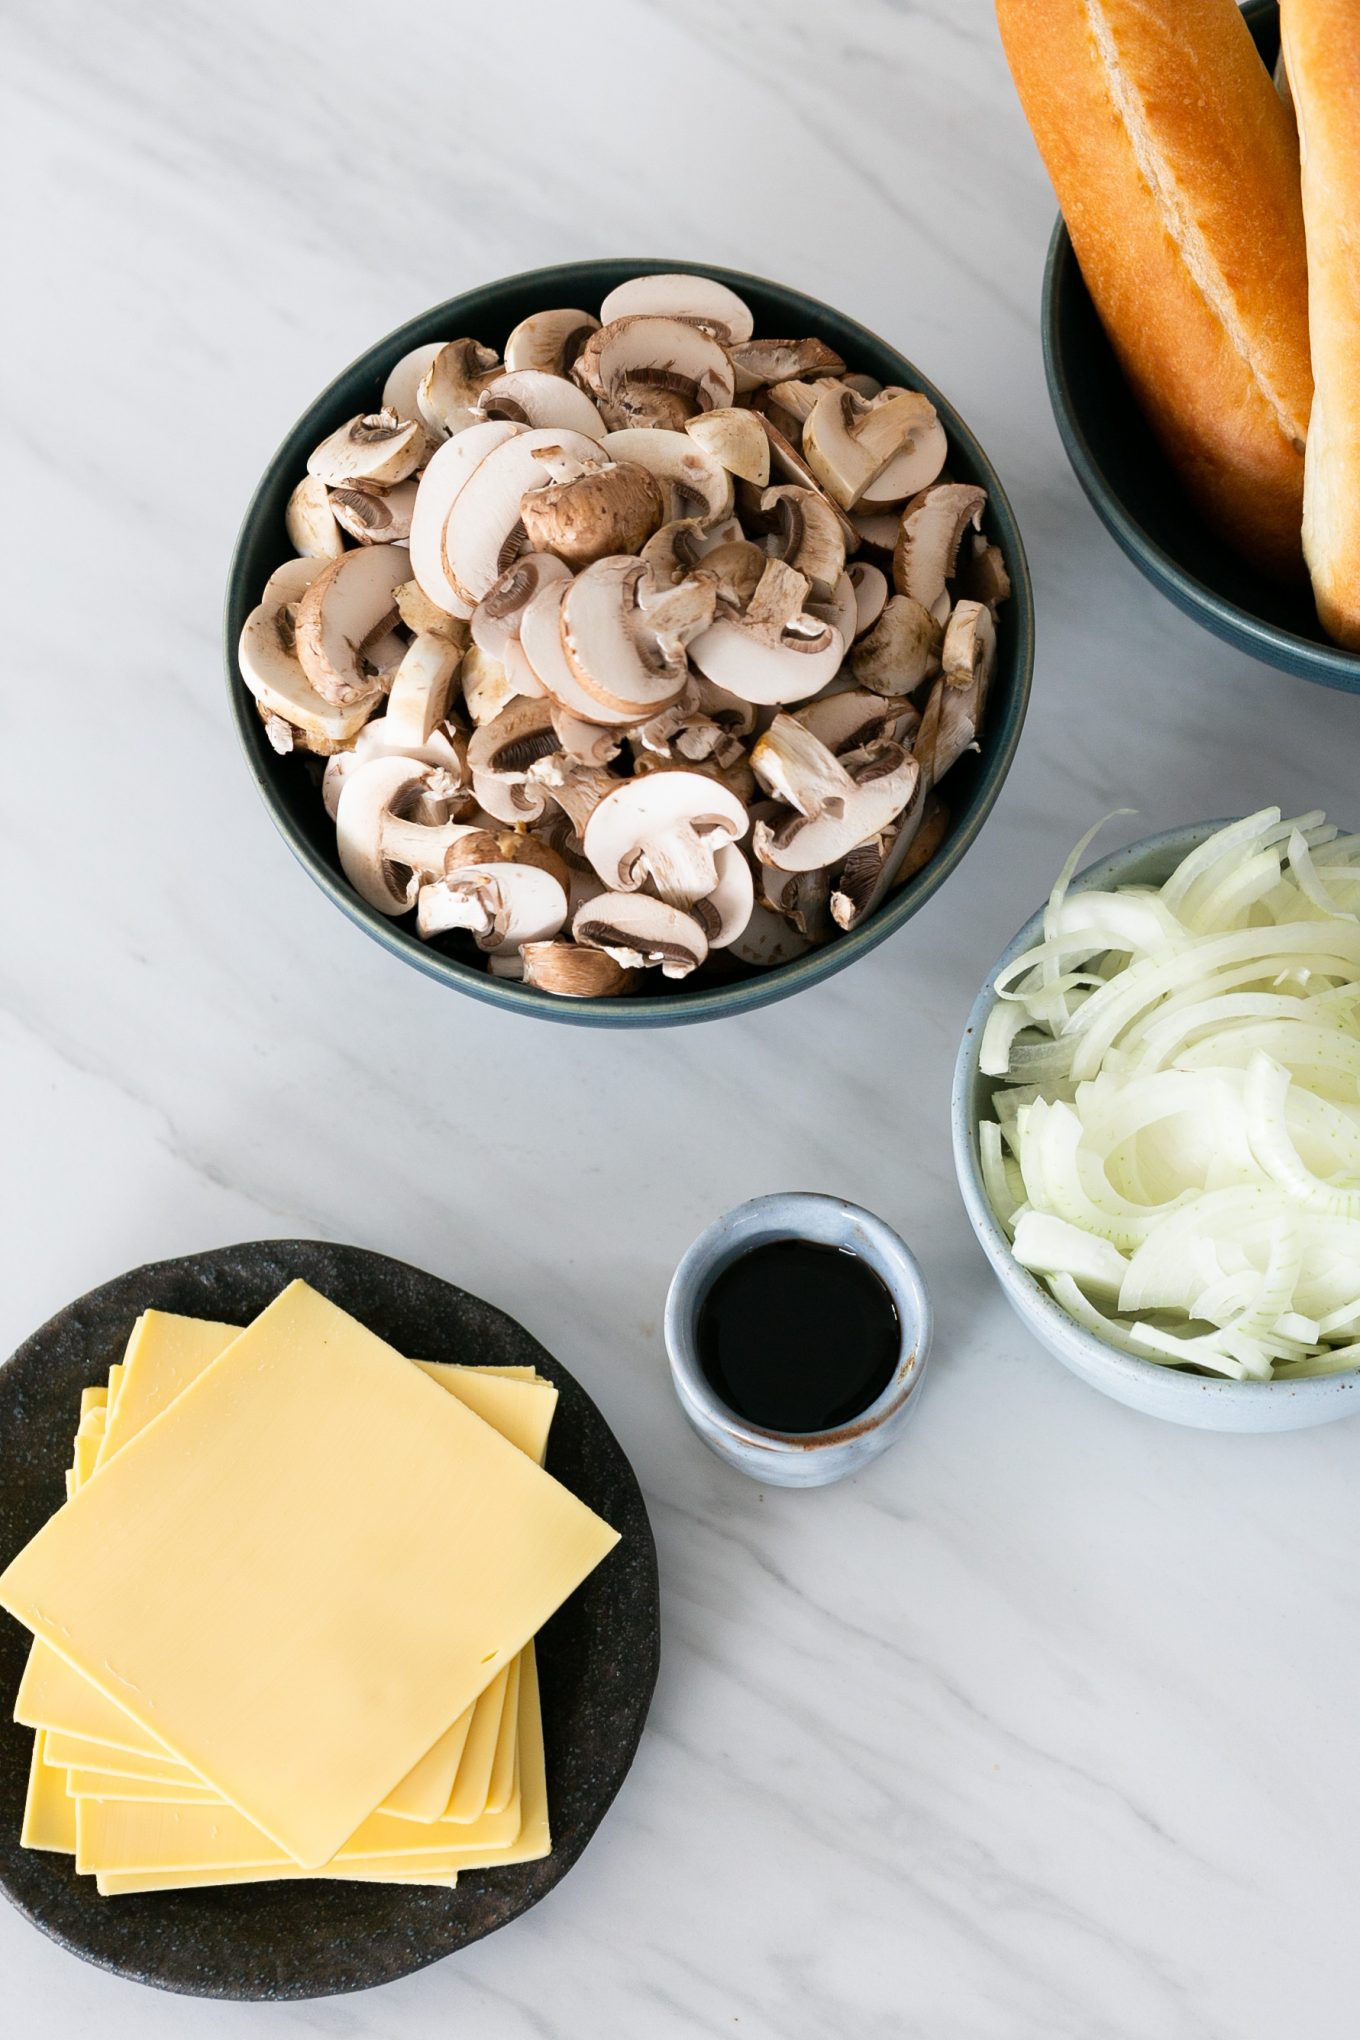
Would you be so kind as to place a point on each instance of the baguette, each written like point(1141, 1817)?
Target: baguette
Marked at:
point(1174, 162)
point(1321, 41)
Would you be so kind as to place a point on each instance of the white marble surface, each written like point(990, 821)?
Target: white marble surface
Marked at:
point(1045, 1725)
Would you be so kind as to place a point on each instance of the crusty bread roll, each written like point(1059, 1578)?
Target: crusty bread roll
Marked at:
point(1322, 55)
point(1175, 165)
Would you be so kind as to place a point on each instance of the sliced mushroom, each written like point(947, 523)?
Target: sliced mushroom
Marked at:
point(646, 371)
point(576, 789)
point(425, 618)
point(770, 650)
point(310, 521)
point(870, 871)
point(448, 473)
point(768, 939)
point(693, 483)
point(705, 722)
point(372, 515)
point(549, 341)
point(980, 575)
point(849, 720)
point(500, 754)
point(934, 827)
point(666, 829)
point(500, 889)
point(789, 404)
point(802, 897)
point(383, 853)
point(446, 794)
point(807, 536)
point(675, 550)
point(613, 508)
point(531, 397)
point(878, 529)
point(901, 650)
point(419, 697)
point(758, 362)
point(640, 932)
point(401, 390)
point(953, 713)
point(267, 653)
point(572, 972)
point(588, 743)
point(871, 588)
point(626, 658)
point(447, 394)
point(483, 532)
point(928, 542)
point(541, 642)
point(788, 463)
point(724, 912)
point(882, 448)
point(736, 440)
point(348, 609)
point(840, 608)
point(486, 685)
point(374, 447)
point(836, 802)
point(699, 300)
point(497, 618)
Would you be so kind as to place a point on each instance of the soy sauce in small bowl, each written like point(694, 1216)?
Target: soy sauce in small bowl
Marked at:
point(796, 1336)
point(798, 1328)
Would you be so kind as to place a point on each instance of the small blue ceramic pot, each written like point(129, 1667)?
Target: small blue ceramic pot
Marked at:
point(489, 313)
point(1138, 498)
point(798, 1458)
point(1196, 1399)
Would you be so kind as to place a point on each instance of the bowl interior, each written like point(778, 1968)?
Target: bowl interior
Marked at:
point(288, 784)
point(1143, 1383)
point(1136, 492)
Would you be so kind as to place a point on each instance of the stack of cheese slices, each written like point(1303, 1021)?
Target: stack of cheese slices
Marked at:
point(283, 1625)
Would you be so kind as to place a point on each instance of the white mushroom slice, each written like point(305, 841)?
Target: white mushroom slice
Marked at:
point(701, 300)
point(640, 932)
point(736, 440)
point(790, 404)
point(447, 394)
point(424, 618)
point(674, 551)
point(807, 535)
point(849, 720)
point(625, 661)
point(575, 788)
point(724, 913)
point(788, 463)
point(404, 379)
point(928, 542)
point(802, 897)
point(448, 473)
point(872, 589)
point(770, 651)
point(419, 696)
point(570, 972)
point(497, 618)
point(530, 397)
point(851, 443)
point(587, 743)
point(483, 533)
point(840, 608)
point(901, 650)
point(500, 754)
point(949, 724)
point(758, 362)
point(446, 794)
point(270, 668)
point(344, 617)
point(796, 767)
point(769, 940)
point(704, 722)
point(375, 516)
point(613, 508)
point(486, 685)
point(310, 521)
point(541, 642)
point(666, 828)
point(549, 341)
point(502, 905)
point(374, 447)
point(872, 867)
point(876, 528)
point(694, 484)
point(981, 576)
point(738, 564)
point(383, 854)
point(519, 674)
point(656, 372)
point(853, 797)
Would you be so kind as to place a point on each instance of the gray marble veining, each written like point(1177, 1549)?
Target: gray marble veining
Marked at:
point(1093, 1777)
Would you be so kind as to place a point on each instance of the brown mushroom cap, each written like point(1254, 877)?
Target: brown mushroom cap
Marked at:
point(609, 509)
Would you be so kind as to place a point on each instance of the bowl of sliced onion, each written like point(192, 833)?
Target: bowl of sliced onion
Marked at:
point(1157, 1123)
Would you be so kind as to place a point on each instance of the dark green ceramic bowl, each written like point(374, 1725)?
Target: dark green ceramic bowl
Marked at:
point(290, 792)
point(1135, 493)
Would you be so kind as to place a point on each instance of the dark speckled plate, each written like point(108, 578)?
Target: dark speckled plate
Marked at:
point(597, 1657)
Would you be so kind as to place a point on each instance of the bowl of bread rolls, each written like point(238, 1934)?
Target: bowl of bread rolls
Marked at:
point(1202, 300)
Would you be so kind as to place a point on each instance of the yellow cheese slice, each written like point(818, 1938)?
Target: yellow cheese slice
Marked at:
point(179, 1792)
point(351, 1482)
point(49, 1812)
point(165, 1353)
point(93, 1399)
point(111, 1884)
point(74, 1753)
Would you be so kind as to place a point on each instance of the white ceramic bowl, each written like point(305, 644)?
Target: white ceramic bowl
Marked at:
point(797, 1458)
point(1199, 1400)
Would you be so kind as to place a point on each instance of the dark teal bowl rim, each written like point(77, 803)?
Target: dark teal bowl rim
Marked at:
point(488, 312)
point(1292, 652)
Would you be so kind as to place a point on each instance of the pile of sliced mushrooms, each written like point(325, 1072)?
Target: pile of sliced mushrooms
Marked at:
point(644, 648)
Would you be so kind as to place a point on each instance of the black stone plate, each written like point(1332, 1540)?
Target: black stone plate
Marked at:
point(597, 1657)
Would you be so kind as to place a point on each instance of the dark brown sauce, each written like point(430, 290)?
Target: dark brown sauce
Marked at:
point(794, 1336)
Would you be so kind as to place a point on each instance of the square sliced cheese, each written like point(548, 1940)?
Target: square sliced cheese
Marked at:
point(327, 1554)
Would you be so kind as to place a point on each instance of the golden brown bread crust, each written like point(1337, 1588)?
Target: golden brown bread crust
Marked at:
point(1322, 53)
point(1174, 163)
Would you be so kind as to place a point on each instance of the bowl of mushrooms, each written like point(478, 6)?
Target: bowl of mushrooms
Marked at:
point(612, 661)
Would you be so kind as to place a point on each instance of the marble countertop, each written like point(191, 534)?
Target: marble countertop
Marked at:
point(1041, 1729)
